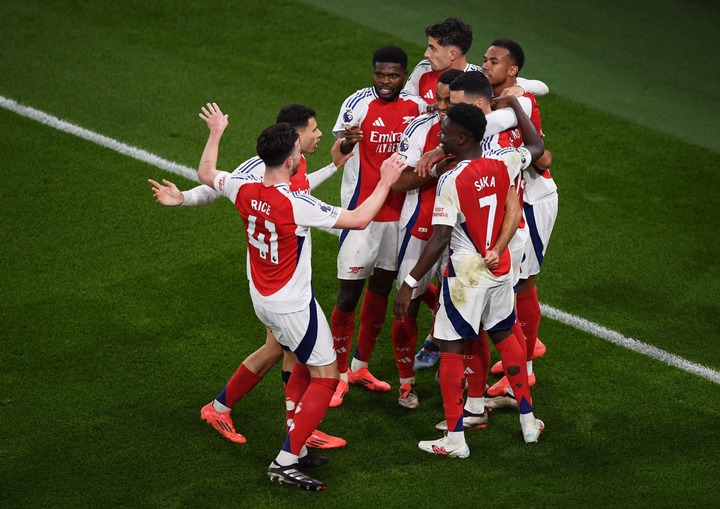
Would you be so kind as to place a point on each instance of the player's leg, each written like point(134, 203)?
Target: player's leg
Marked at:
point(374, 307)
point(528, 309)
point(342, 323)
point(517, 247)
point(373, 311)
point(247, 376)
point(355, 262)
point(404, 334)
point(540, 218)
point(404, 338)
point(476, 362)
point(294, 389)
point(451, 387)
point(477, 368)
point(429, 353)
point(454, 321)
point(514, 364)
point(307, 334)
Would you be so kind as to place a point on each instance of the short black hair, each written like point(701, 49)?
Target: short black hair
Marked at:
point(276, 143)
point(469, 117)
point(392, 55)
point(474, 84)
point(517, 55)
point(452, 32)
point(297, 115)
point(449, 76)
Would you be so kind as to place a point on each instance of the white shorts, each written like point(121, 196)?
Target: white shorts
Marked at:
point(466, 302)
point(517, 247)
point(306, 333)
point(363, 250)
point(539, 220)
point(410, 249)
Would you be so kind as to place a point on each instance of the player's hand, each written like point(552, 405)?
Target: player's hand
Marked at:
point(428, 160)
point(544, 162)
point(492, 259)
point(392, 167)
point(431, 108)
point(515, 91)
point(339, 159)
point(167, 193)
point(504, 101)
point(445, 165)
point(353, 134)
point(214, 118)
point(402, 301)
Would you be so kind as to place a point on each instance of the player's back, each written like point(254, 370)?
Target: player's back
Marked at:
point(481, 187)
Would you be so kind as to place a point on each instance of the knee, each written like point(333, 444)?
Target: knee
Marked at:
point(348, 297)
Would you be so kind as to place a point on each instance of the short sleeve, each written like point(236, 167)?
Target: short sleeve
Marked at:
point(309, 211)
point(446, 208)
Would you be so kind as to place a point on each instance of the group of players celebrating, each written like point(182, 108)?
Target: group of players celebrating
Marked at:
point(445, 179)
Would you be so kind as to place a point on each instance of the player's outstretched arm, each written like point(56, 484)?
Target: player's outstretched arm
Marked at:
point(359, 218)
point(535, 87)
point(216, 122)
point(409, 180)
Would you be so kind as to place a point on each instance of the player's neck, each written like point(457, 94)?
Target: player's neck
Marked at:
point(459, 63)
point(469, 153)
point(275, 175)
point(498, 89)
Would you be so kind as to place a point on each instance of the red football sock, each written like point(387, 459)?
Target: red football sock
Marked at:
point(310, 411)
point(528, 311)
point(342, 325)
point(477, 365)
point(240, 384)
point(372, 319)
point(515, 368)
point(404, 338)
point(520, 335)
point(430, 297)
point(296, 387)
point(451, 387)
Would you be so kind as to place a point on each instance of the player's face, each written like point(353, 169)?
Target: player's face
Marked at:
point(295, 156)
point(450, 134)
point(440, 57)
point(442, 99)
point(388, 80)
point(309, 137)
point(498, 66)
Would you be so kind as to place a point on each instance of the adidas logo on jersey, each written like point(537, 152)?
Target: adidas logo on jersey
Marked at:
point(379, 122)
point(429, 95)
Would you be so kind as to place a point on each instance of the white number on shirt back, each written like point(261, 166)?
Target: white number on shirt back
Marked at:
point(259, 239)
point(489, 201)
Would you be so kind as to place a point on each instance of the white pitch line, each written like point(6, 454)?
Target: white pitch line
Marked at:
point(67, 127)
point(189, 173)
point(629, 343)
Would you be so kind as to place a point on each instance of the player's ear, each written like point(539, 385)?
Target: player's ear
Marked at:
point(513, 70)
